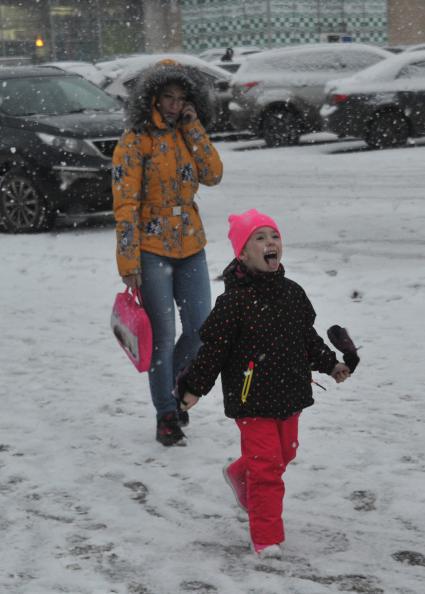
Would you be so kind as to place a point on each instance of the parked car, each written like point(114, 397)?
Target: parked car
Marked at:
point(85, 69)
point(125, 71)
point(277, 94)
point(57, 135)
point(384, 104)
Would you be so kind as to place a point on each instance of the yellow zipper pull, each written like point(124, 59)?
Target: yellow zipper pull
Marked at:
point(247, 382)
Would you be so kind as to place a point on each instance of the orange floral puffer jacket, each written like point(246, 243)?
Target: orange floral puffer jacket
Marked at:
point(156, 174)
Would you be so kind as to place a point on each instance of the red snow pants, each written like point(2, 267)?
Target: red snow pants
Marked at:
point(267, 446)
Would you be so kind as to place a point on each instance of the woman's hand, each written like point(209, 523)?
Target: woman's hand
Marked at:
point(189, 115)
point(340, 372)
point(188, 401)
point(132, 281)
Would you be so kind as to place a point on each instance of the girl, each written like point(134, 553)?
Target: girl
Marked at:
point(260, 337)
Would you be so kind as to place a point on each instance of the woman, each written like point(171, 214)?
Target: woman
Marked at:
point(157, 167)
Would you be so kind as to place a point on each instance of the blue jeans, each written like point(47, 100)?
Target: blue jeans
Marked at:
point(165, 281)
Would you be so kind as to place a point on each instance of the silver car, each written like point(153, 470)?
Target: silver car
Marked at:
point(277, 94)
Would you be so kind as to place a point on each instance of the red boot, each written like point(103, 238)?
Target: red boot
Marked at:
point(237, 484)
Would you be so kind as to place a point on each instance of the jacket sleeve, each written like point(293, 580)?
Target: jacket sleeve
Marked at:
point(320, 356)
point(127, 177)
point(217, 335)
point(207, 159)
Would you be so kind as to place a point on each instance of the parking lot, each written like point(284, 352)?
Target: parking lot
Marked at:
point(92, 504)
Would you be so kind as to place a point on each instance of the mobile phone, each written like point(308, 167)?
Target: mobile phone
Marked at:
point(186, 118)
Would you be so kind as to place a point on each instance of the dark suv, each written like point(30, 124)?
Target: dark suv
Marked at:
point(384, 104)
point(57, 135)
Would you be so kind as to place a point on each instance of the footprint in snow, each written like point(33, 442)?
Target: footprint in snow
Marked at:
point(349, 583)
point(140, 496)
point(197, 586)
point(363, 500)
point(138, 589)
point(409, 557)
point(139, 489)
point(87, 551)
point(356, 295)
point(328, 541)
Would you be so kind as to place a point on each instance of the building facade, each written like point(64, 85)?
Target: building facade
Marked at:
point(271, 23)
point(406, 22)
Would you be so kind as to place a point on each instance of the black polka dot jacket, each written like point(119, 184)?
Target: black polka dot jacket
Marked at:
point(260, 337)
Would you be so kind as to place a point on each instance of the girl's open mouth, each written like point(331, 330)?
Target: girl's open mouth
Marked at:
point(271, 260)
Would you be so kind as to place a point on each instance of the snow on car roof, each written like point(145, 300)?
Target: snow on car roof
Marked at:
point(384, 70)
point(291, 58)
point(127, 67)
point(308, 47)
point(381, 76)
point(31, 71)
point(85, 69)
point(415, 48)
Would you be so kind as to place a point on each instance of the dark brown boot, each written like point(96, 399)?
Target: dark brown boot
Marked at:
point(168, 430)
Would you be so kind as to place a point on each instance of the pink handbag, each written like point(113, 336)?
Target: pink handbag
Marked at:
point(132, 328)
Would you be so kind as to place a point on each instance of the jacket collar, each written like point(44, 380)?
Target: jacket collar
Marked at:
point(237, 274)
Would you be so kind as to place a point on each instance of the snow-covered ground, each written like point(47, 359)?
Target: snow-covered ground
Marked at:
point(92, 504)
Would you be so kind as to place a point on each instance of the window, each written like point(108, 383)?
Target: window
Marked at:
point(53, 96)
point(357, 59)
point(415, 70)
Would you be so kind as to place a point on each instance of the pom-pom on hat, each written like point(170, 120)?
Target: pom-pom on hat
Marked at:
point(243, 226)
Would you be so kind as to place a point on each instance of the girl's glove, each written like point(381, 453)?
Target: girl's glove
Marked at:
point(341, 340)
point(180, 388)
point(183, 395)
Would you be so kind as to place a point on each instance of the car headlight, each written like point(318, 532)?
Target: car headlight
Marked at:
point(68, 144)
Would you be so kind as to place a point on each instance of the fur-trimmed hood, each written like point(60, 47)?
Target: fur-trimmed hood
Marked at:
point(150, 83)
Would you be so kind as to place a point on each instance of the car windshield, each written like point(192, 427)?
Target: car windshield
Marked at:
point(359, 59)
point(416, 70)
point(54, 95)
point(229, 66)
point(384, 70)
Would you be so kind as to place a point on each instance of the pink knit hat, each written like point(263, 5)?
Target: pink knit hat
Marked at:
point(243, 226)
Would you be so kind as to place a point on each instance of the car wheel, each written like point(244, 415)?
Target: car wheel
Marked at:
point(22, 206)
point(281, 127)
point(387, 129)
